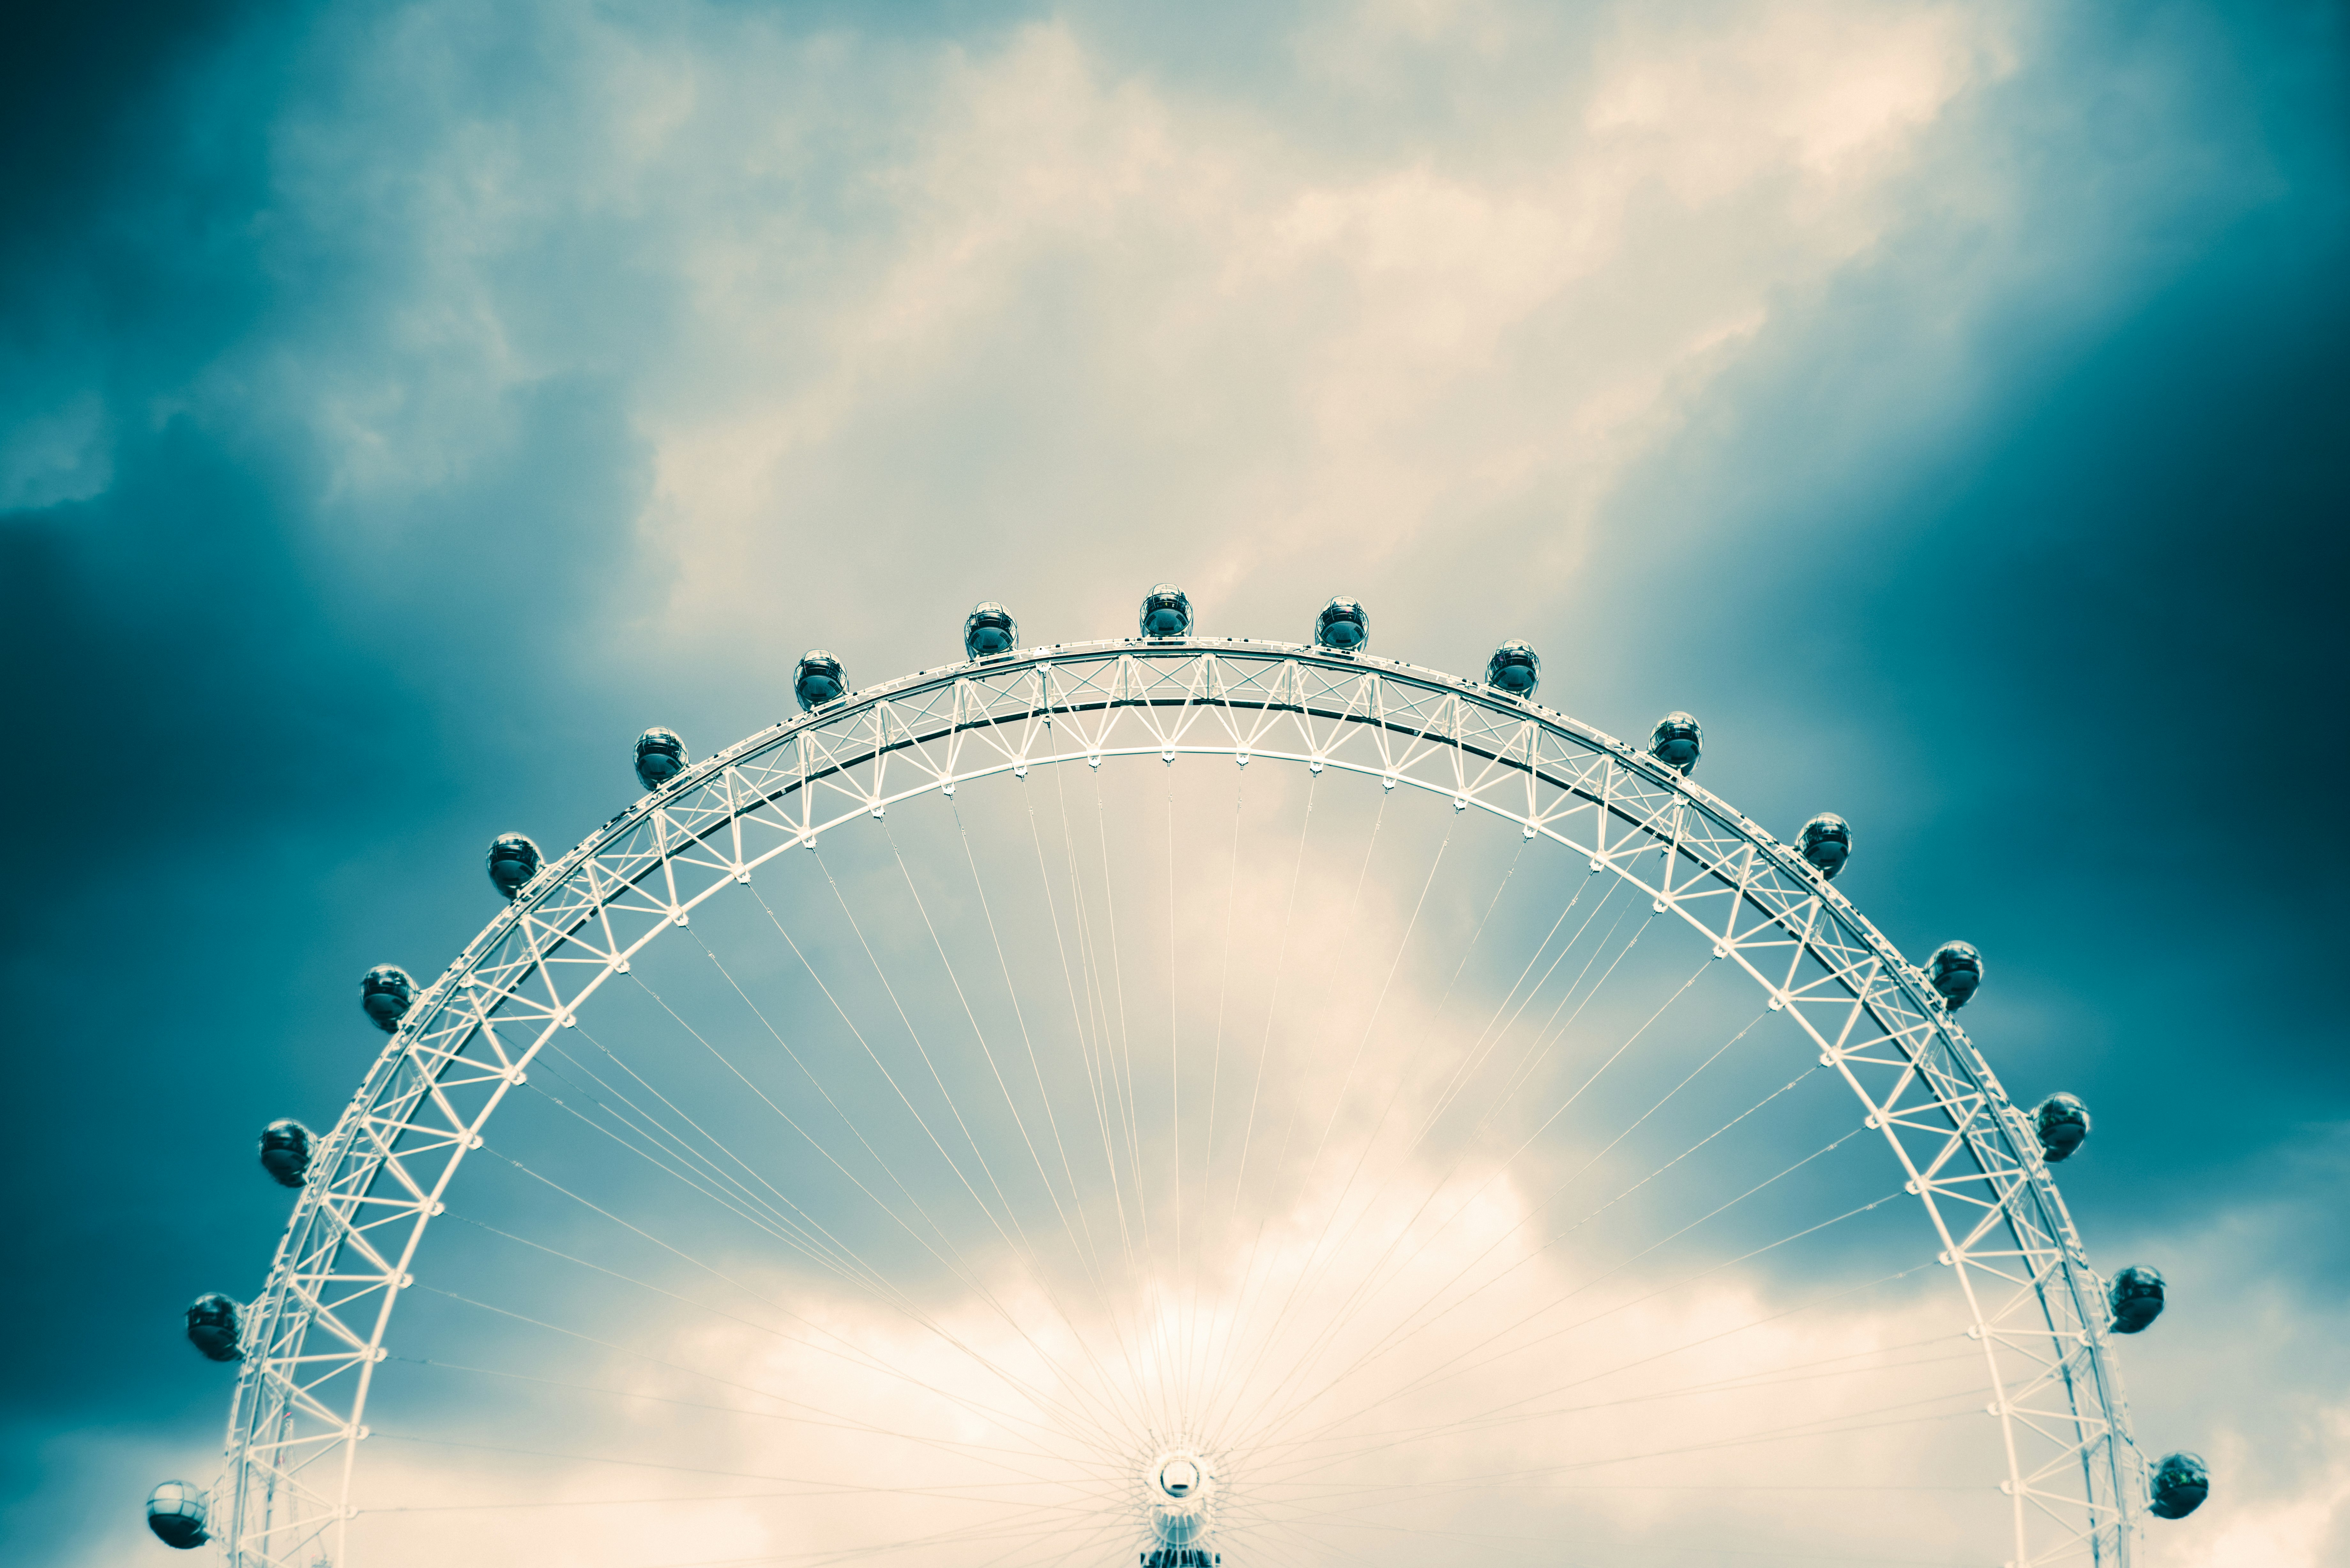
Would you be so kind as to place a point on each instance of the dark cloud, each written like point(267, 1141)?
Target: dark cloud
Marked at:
point(90, 98)
point(248, 733)
point(2104, 637)
point(2073, 669)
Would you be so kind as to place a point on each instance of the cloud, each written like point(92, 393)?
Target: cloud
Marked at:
point(1053, 307)
point(1200, 319)
point(56, 457)
point(2308, 1529)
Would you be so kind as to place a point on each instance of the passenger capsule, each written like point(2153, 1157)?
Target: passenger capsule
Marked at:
point(660, 756)
point(818, 680)
point(512, 861)
point(1515, 667)
point(1343, 626)
point(2135, 1297)
point(2182, 1483)
point(176, 1512)
point(385, 993)
point(1167, 612)
point(1675, 741)
point(2063, 1122)
point(216, 1327)
point(1956, 970)
point(1827, 843)
point(285, 1152)
point(988, 630)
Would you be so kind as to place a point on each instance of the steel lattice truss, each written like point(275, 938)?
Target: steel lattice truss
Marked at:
point(1972, 1160)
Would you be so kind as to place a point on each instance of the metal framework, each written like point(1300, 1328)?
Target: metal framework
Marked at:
point(318, 1332)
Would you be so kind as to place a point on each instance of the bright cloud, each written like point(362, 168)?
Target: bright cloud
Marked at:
point(1472, 270)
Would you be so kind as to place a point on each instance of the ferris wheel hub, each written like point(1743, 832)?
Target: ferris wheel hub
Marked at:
point(1179, 1495)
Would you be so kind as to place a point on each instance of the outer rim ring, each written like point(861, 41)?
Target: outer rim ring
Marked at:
point(2074, 1476)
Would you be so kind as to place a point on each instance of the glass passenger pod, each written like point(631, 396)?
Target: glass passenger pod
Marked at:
point(1343, 626)
point(177, 1513)
point(989, 630)
point(818, 680)
point(285, 1152)
point(1675, 741)
point(512, 861)
point(1515, 667)
point(2062, 1122)
point(216, 1327)
point(1827, 843)
point(660, 756)
point(385, 993)
point(1166, 612)
point(1956, 970)
point(2135, 1294)
point(2182, 1483)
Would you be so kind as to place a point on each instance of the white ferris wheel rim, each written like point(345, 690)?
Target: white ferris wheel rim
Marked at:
point(2075, 1478)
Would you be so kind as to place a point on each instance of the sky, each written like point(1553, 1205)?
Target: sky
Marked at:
point(402, 405)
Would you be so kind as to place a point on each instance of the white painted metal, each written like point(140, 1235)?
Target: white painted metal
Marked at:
point(319, 1330)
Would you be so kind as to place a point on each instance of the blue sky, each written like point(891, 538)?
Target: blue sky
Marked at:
point(400, 405)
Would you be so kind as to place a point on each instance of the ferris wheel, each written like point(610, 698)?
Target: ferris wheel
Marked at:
point(1206, 1098)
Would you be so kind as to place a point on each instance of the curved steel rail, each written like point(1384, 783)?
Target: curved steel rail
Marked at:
point(318, 1333)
